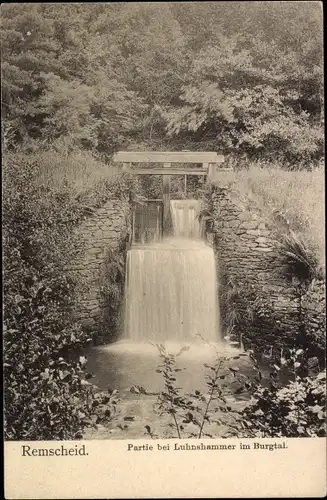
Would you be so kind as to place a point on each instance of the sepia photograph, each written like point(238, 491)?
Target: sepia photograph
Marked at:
point(163, 225)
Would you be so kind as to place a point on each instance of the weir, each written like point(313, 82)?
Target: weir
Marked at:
point(171, 289)
point(185, 220)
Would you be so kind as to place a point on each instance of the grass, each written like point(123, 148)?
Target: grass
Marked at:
point(297, 196)
point(84, 178)
point(78, 170)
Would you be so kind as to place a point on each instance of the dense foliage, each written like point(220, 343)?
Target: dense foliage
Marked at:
point(46, 395)
point(295, 409)
point(37, 300)
point(287, 400)
point(240, 77)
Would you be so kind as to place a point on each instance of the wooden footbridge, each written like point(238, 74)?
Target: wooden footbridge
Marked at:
point(168, 163)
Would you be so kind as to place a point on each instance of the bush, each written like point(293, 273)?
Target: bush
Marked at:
point(297, 409)
point(45, 396)
point(198, 413)
point(287, 400)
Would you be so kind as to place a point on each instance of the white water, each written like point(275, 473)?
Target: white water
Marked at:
point(171, 298)
point(171, 289)
point(184, 216)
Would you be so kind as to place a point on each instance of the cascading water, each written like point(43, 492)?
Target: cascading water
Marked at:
point(184, 216)
point(171, 297)
point(171, 292)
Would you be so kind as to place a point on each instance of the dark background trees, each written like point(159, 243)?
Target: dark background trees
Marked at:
point(240, 77)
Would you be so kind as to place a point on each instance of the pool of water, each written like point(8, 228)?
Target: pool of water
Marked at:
point(126, 365)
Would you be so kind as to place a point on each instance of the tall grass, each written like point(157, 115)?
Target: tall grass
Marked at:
point(298, 196)
point(78, 170)
point(76, 174)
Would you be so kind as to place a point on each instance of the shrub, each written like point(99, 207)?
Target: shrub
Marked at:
point(53, 400)
point(287, 400)
point(299, 260)
point(193, 413)
point(45, 396)
point(296, 409)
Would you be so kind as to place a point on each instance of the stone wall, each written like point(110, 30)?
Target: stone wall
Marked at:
point(103, 238)
point(257, 302)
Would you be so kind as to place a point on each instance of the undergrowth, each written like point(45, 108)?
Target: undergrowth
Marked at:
point(271, 407)
point(193, 413)
point(295, 199)
point(47, 395)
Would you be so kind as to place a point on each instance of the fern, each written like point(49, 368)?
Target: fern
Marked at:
point(299, 259)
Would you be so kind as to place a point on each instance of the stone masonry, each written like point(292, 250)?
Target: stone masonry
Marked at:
point(250, 273)
point(106, 230)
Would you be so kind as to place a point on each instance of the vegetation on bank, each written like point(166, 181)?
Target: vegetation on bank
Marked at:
point(80, 83)
point(271, 407)
point(279, 197)
point(296, 199)
point(46, 395)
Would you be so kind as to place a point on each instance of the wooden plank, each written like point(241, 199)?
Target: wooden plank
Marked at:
point(133, 228)
point(168, 157)
point(166, 198)
point(149, 199)
point(211, 170)
point(164, 171)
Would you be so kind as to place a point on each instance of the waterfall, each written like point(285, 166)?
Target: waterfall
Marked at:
point(184, 216)
point(171, 289)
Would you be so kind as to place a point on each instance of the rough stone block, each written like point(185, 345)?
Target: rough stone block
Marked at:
point(254, 232)
point(263, 249)
point(96, 250)
point(263, 239)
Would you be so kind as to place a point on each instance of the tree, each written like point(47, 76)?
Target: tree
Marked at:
point(256, 82)
point(239, 76)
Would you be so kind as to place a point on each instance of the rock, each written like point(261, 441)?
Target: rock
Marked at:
point(94, 250)
point(263, 239)
point(245, 216)
point(255, 232)
point(249, 226)
point(262, 249)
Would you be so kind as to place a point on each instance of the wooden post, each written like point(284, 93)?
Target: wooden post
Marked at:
point(142, 226)
point(133, 228)
point(157, 225)
point(166, 199)
point(211, 172)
